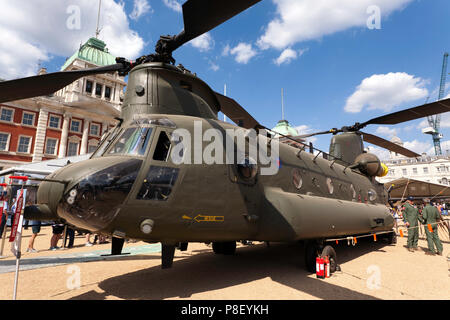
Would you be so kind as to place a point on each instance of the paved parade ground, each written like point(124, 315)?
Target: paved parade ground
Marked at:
point(370, 270)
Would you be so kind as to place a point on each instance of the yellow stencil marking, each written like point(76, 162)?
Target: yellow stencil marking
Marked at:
point(202, 218)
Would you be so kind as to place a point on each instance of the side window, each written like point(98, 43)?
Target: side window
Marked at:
point(158, 183)
point(162, 147)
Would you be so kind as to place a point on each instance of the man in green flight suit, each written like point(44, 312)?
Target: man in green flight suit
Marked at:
point(430, 215)
point(411, 219)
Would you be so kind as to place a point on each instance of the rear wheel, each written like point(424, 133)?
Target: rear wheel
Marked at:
point(329, 251)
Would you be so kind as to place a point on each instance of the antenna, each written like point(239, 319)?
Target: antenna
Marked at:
point(225, 94)
point(282, 105)
point(97, 31)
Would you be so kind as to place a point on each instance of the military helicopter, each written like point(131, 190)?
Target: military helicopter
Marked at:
point(132, 188)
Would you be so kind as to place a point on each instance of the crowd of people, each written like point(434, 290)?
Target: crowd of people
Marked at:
point(427, 214)
point(58, 229)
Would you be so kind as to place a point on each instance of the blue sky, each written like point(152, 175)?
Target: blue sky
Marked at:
point(340, 72)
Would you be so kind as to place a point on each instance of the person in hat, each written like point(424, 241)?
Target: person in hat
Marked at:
point(411, 219)
point(430, 215)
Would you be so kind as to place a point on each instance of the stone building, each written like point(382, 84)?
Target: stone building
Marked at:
point(433, 169)
point(67, 123)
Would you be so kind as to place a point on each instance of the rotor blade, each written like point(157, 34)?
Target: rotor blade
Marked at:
point(412, 113)
point(236, 112)
point(47, 83)
point(316, 134)
point(370, 138)
point(200, 16)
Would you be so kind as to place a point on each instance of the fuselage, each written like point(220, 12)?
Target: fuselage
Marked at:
point(137, 176)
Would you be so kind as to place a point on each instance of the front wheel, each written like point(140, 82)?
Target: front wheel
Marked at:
point(311, 253)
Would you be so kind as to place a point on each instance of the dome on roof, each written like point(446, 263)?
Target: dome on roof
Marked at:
point(93, 51)
point(283, 127)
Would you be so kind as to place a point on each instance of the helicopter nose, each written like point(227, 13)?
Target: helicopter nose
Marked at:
point(95, 200)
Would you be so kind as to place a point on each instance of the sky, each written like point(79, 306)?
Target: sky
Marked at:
point(337, 61)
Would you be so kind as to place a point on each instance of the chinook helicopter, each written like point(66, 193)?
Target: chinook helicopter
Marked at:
point(131, 187)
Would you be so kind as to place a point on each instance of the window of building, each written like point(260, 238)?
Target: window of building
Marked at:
point(98, 90)
point(24, 144)
point(50, 147)
point(392, 172)
point(414, 170)
point(404, 171)
point(425, 170)
point(7, 114)
point(92, 148)
point(28, 119)
point(75, 125)
point(72, 149)
point(89, 86)
point(95, 129)
point(107, 92)
point(4, 141)
point(54, 122)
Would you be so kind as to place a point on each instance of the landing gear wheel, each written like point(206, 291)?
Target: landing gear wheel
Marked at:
point(329, 251)
point(311, 253)
point(391, 238)
point(217, 247)
point(227, 248)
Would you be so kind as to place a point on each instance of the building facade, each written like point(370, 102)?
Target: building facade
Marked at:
point(433, 169)
point(68, 123)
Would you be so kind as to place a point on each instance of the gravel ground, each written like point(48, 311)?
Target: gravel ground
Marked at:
point(370, 270)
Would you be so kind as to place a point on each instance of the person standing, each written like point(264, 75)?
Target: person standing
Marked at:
point(36, 228)
point(430, 215)
point(411, 219)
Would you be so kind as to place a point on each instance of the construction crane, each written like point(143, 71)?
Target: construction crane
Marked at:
point(435, 121)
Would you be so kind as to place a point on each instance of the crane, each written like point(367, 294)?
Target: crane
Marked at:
point(434, 121)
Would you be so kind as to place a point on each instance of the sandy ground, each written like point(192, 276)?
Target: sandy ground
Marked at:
point(370, 270)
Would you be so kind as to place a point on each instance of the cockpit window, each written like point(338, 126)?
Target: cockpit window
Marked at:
point(132, 142)
point(158, 183)
point(105, 141)
point(162, 147)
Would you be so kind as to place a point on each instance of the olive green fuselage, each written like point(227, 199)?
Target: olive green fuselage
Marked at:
point(116, 192)
point(309, 197)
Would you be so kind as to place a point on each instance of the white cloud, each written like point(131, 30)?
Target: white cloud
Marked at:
point(243, 52)
point(204, 42)
point(417, 146)
point(213, 66)
point(386, 132)
point(41, 28)
point(140, 8)
point(385, 92)
point(288, 55)
point(381, 153)
point(174, 5)
point(226, 50)
point(302, 20)
point(445, 148)
point(305, 129)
